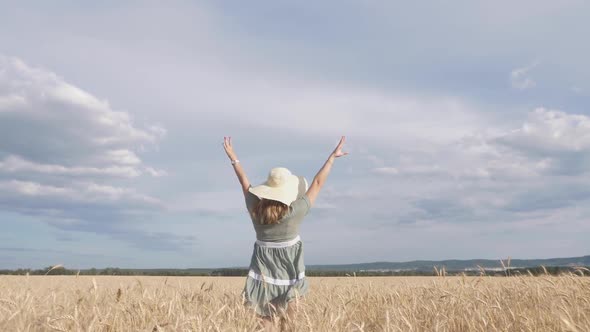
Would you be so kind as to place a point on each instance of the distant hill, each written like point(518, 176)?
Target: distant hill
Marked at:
point(454, 264)
point(419, 267)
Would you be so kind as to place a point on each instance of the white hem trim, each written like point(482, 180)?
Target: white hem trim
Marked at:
point(278, 244)
point(280, 282)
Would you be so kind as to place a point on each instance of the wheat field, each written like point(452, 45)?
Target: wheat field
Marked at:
point(117, 303)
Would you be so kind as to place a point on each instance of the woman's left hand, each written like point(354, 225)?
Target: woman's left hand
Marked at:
point(229, 148)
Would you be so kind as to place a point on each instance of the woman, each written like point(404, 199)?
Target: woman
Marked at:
point(276, 208)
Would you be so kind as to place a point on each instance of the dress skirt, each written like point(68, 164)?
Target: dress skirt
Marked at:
point(276, 276)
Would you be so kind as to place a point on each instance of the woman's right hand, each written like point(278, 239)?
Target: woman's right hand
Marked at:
point(338, 150)
point(320, 178)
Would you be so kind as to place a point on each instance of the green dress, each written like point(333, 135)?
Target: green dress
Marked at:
point(277, 270)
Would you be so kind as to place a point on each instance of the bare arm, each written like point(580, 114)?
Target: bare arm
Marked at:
point(322, 175)
point(237, 166)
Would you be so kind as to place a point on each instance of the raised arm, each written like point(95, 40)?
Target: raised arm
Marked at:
point(236, 164)
point(320, 178)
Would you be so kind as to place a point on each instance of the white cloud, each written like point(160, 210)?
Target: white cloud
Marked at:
point(410, 170)
point(28, 194)
point(16, 164)
point(10, 102)
point(50, 126)
point(72, 128)
point(62, 151)
point(537, 170)
point(546, 143)
point(577, 90)
point(386, 170)
point(319, 109)
point(155, 172)
point(550, 131)
point(210, 202)
point(520, 79)
point(26, 188)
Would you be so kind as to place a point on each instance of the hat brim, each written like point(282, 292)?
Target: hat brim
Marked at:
point(293, 188)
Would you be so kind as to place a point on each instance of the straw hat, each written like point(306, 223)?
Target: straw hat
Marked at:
point(281, 186)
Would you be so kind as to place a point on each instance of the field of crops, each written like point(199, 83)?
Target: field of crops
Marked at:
point(113, 303)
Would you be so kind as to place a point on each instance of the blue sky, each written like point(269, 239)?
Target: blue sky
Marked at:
point(468, 128)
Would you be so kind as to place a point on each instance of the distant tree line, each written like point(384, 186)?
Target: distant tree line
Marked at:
point(239, 272)
point(106, 271)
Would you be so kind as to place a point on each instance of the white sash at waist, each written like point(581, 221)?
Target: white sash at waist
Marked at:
point(278, 244)
point(280, 282)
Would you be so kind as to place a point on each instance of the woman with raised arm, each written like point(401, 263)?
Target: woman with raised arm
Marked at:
point(276, 208)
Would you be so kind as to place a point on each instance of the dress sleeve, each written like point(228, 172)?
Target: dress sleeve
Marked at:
point(251, 200)
point(301, 205)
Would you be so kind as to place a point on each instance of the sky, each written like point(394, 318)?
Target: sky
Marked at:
point(467, 124)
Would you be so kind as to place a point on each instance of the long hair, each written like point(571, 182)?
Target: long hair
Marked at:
point(269, 211)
